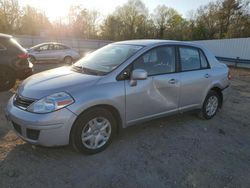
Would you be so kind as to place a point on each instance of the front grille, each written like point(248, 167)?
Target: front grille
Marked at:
point(22, 102)
point(17, 127)
point(32, 134)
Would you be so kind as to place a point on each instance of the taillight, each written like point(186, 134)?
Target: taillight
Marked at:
point(23, 56)
point(229, 76)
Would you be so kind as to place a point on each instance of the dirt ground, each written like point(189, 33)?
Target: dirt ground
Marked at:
point(176, 151)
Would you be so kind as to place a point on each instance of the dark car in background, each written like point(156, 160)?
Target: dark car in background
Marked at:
point(14, 63)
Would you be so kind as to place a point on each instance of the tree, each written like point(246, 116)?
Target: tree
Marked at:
point(168, 22)
point(217, 19)
point(222, 19)
point(9, 16)
point(233, 15)
point(32, 17)
point(83, 22)
point(131, 19)
point(110, 28)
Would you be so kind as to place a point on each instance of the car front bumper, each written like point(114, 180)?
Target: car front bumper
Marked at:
point(51, 129)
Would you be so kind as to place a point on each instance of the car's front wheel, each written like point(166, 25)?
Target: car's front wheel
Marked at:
point(210, 105)
point(93, 131)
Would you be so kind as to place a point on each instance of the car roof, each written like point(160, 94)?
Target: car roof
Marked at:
point(2, 35)
point(152, 42)
point(52, 43)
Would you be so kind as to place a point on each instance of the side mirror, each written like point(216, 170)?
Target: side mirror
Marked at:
point(138, 74)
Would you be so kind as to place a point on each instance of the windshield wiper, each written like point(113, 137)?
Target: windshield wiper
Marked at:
point(92, 71)
point(77, 68)
point(87, 70)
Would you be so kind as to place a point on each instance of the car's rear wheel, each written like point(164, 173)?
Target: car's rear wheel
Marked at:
point(210, 105)
point(93, 131)
point(68, 60)
point(7, 78)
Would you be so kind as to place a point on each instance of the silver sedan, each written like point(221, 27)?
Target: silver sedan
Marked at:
point(53, 52)
point(119, 85)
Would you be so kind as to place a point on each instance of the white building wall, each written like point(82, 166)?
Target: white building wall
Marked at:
point(229, 48)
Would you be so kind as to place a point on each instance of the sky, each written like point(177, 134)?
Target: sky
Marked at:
point(56, 9)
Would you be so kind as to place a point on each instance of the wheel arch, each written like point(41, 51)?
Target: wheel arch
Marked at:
point(68, 56)
point(111, 108)
point(218, 90)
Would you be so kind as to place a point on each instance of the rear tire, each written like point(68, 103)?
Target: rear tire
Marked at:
point(7, 78)
point(93, 131)
point(210, 105)
point(68, 60)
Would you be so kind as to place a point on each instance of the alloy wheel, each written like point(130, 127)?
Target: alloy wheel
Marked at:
point(96, 133)
point(212, 105)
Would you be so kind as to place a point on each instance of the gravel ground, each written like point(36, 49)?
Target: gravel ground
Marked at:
point(176, 151)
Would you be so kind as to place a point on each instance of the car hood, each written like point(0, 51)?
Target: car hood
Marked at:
point(55, 80)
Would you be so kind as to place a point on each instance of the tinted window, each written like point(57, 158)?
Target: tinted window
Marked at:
point(204, 63)
point(65, 47)
point(190, 58)
point(160, 60)
point(59, 47)
point(44, 47)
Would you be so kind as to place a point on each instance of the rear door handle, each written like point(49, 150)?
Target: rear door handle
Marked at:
point(206, 75)
point(172, 81)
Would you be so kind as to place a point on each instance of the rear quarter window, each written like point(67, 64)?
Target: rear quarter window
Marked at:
point(204, 63)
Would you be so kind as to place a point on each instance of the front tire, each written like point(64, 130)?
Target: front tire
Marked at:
point(93, 131)
point(210, 105)
point(7, 78)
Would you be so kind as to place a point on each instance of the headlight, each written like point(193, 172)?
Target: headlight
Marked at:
point(51, 103)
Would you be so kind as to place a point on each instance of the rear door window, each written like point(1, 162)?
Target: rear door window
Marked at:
point(59, 47)
point(190, 58)
point(44, 47)
point(51, 47)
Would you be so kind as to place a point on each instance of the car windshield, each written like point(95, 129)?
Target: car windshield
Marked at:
point(106, 59)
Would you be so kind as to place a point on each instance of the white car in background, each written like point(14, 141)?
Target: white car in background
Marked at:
point(52, 51)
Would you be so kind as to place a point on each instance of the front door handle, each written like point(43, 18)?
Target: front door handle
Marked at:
point(172, 81)
point(206, 75)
